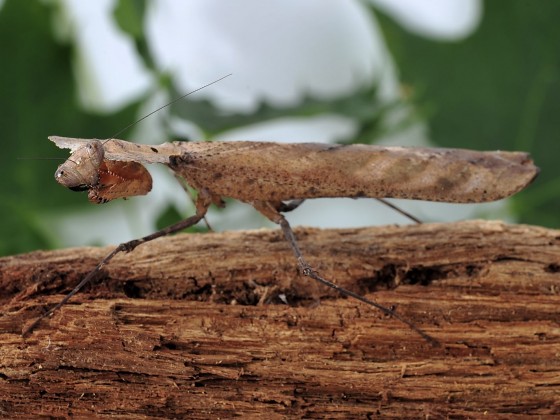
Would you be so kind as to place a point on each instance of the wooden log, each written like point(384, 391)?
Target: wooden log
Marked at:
point(221, 325)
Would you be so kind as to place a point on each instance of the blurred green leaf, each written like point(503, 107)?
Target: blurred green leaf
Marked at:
point(171, 216)
point(168, 217)
point(129, 15)
point(38, 99)
point(360, 106)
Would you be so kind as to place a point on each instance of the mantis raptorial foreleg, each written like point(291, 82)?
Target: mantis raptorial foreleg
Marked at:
point(203, 201)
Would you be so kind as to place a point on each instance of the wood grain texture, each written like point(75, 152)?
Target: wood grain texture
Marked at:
point(193, 326)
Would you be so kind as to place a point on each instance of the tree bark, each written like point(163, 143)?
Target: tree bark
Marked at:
point(222, 325)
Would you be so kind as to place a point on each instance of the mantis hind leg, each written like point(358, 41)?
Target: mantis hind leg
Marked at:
point(270, 210)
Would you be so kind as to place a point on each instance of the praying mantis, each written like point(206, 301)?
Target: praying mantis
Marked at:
point(275, 178)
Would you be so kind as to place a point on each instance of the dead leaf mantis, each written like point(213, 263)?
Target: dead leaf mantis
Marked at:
point(275, 178)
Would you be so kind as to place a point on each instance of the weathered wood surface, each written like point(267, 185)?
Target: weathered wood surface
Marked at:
point(193, 326)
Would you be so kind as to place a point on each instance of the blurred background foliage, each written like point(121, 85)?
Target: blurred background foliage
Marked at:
point(497, 89)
